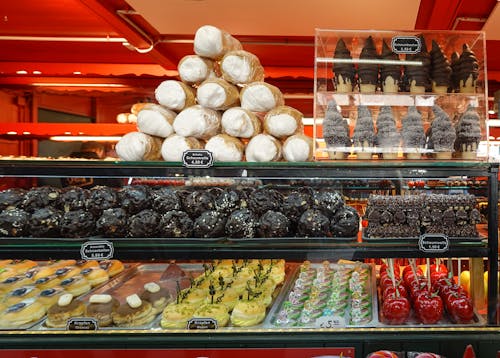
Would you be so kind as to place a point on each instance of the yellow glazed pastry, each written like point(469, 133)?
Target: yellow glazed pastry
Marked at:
point(176, 315)
point(248, 313)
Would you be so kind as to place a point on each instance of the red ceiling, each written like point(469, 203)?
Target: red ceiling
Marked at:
point(289, 64)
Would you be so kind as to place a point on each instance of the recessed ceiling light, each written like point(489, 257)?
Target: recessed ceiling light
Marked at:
point(77, 73)
point(22, 72)
point(37, 72)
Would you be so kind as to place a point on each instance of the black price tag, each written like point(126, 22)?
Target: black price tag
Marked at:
point(97, 250)
point(82, 324)
point(406, 44)
point(202, 323)
point(197, 158)
point(434, 243)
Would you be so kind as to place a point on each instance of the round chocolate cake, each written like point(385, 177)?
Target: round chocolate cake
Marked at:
point(134, 198)
point(73, 198)
point(77, 223)
point(143, 224)
point(197, 202)
point(112, 223)
point(313, 223)
point(13, 222)
point(328, 201)
point(11, 198)
point(273, 224)
point(176, 223)
point(242, 224)
point(210, 224)
point(345, 223)
point(262, 200)
point(228, 201)
point(101, 198)
point(45, 222)
point(296, 202)
point(40, 197)
point(164, 200)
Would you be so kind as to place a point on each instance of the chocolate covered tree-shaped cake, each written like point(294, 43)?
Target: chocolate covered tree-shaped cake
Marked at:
point(390, 73)
point(336, 132)
point(468, 133)
point(467, 70)
point(454, 71)
point(344, 71)
point(412, 132)
point(418, 74)
point(442, 134)
point(440, 70)
point(368, 72)
point(388, 136)
point(364, 134)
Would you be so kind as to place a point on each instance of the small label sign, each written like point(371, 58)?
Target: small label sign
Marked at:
point(82, 324)
point(406, 44)
point(202, 323)
point(330, 322)
point(197, 158)
point(97, 250)
point(434, 243)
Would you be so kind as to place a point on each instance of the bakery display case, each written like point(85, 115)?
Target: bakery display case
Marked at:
point(248, 255)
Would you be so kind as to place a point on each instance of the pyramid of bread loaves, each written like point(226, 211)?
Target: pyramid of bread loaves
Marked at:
point(220, 103)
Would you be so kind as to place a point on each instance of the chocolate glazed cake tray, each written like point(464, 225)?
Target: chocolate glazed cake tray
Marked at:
point(414, 239)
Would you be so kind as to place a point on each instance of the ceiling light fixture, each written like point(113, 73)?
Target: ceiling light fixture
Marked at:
point(58, 84)
point(22, 72)
point(77, 73)
point(85, 138)
point(37, 72)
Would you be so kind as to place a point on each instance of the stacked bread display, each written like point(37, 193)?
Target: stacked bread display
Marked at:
point(221, 103)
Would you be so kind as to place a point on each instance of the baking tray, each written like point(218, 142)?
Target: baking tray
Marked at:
point(414, 239)
point(295, 240)
point(341, 321)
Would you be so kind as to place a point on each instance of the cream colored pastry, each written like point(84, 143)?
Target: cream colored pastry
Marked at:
point(174, 146)
point(134, 312)
point(263, 148)
point(95, 275)
point(197, 121)
point(217, 94)
point(137, 146)
point(261, 97)
point(241, 67)
point(225, 148)
point(76, 285)
point(240, 122)
point(14, 282)
point(156, 120)
point(298, 148)
point(22, 313)
point(176, 315)
point(211, 42)
point(20, 294)
point(283, 121)
point(248, 313)
point(174, 95)
point(65, 308)
point(50, 296)
point(194, 69)
point(216, 311)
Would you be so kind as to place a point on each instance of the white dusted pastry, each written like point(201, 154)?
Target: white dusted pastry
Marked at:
point(283, 121)
point(197, 121)
point(174, 146)
point(156, 120)
point(225, 148)
point(298, 148)
point(261, 97)
point(240, 122)
point(194, 69)
point(217, 94)
point(241, 67)
point(211, 42)
point(137, 146)
point(263, 148)
point(175, 95)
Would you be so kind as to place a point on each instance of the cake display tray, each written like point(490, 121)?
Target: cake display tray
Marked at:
point(328, 319)
point(295, 240)
point(414, 239)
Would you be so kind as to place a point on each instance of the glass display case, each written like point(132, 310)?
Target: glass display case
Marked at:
point(394, 95)
point(293, 248)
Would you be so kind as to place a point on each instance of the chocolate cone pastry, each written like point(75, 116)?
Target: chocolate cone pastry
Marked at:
point(468, 133)
point(440, 70)
point(454, 71)
point(388, 136)
point(390, 74)
point(412, 131)
point(364, 133)
point(344, 72)
point(368, 72)
point(442, 133)
point(467, 70)
point(335, 131)
point(419, 75)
